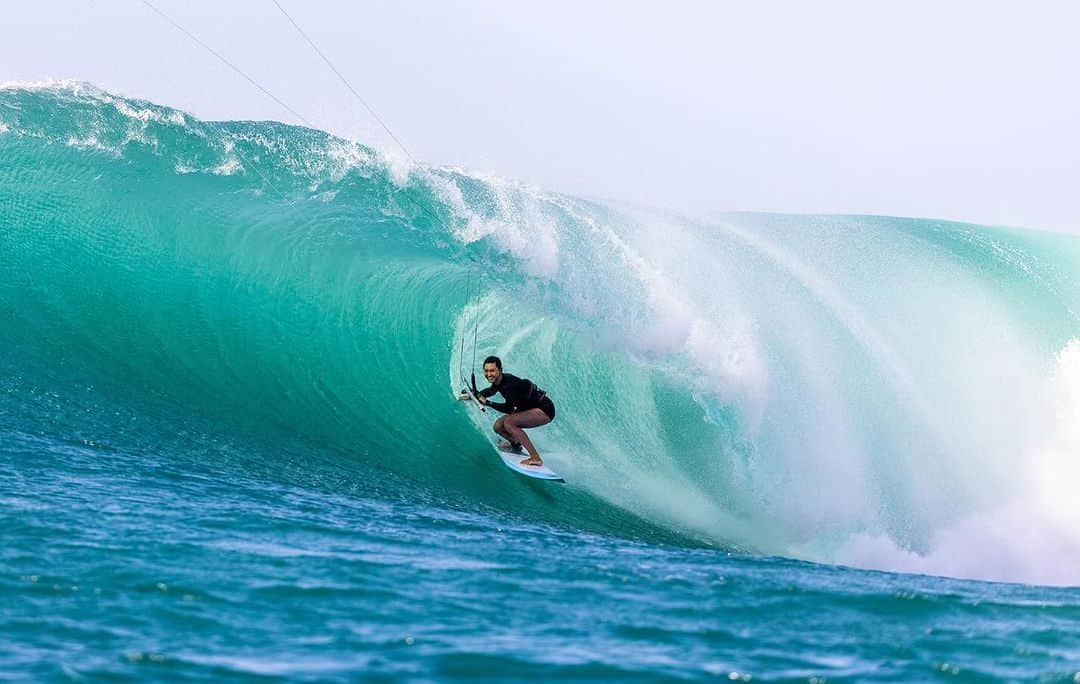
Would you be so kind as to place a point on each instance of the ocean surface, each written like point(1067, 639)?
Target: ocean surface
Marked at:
point(797, 448)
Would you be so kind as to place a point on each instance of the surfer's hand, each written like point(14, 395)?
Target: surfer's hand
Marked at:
point(464, 396)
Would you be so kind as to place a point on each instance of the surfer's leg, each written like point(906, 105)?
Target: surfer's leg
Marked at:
point(515, 424)
point(500, 429)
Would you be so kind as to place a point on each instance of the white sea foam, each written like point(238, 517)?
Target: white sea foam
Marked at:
point(1033, 534)
point(398, 165)
point(227, 167)
point(343, 156)
point(50, 84)
point(517, 221)
point(90, 142)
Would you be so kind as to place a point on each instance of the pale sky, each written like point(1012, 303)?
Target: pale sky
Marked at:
point(964, 110)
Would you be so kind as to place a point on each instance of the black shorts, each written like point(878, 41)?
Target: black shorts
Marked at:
point(548, 407)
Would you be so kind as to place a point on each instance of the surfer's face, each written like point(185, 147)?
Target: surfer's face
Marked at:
point(492, 373)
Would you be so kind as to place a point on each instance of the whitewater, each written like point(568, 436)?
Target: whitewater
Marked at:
point(796, 447)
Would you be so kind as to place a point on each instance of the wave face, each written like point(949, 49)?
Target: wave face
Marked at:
point(881, 392)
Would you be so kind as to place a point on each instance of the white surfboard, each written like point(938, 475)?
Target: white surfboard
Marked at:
point(512, 460)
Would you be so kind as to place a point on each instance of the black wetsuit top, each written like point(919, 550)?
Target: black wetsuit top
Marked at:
point(520, 394)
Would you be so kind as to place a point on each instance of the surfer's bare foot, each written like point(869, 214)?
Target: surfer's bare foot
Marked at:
point(532, 461)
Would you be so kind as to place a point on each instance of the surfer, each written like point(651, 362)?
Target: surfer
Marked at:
point(526, 406)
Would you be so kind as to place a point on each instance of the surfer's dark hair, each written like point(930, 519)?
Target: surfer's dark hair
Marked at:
point(495, 360)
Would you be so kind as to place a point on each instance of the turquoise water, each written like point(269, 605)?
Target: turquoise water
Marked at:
point(797, 448)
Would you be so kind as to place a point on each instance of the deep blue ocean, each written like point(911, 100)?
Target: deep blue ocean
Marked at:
point(796, 448)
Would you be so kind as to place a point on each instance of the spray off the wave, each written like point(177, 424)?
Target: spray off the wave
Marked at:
point(888, 393)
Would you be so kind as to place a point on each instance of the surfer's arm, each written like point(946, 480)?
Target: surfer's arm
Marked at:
point(504, 407)
point(483, 396)
point(500, 407)
point(480, 395)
